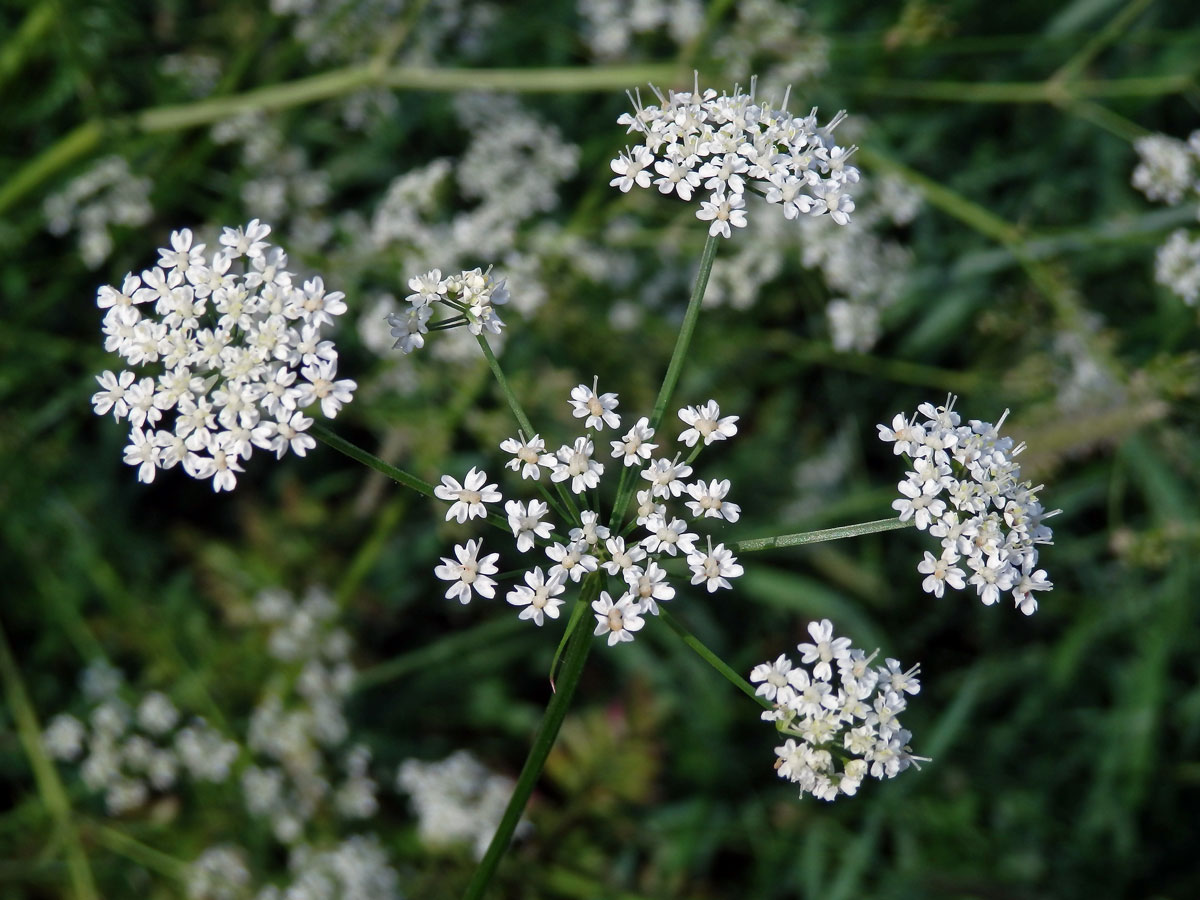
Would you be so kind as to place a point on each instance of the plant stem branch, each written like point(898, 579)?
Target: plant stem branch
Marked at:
point(695, 644)
point(816, 537)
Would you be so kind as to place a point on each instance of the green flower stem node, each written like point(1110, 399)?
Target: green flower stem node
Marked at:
point(816, 537)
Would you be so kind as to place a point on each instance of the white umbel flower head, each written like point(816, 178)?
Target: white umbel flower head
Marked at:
point(851, 717)
point(965, 488)
point(731, 143)
point(230, 355)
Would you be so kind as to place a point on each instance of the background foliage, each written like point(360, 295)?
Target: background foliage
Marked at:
point(1065, 746)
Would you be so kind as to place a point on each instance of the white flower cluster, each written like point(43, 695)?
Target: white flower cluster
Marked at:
point(355, 869)
point(965, 488)
point(239, 357)
point(131, 752)
point(591, 544)
point(1168, 171)
point(300, 739)
point(609, 26)
point(839, 731)
point(721, 142)
point(457, 800)
point(105, 195)
point(219, 873)
point(473, 296)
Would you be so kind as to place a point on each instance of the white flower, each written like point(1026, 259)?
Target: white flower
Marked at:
point(409, 328)
point(469, 573)
point(143, 453)
point(825, 650)
point(538, 596)
point(576, 463)
point(649, 586)
point(634, 447)
point(706, 422)
point(528, 456)
point(668, 537)
point(712, 569)
point(526, 522)
point(618, 620)
point(631, 170)
point(773, 676)
point(250, 241)
point(590, 532)
point(723, 211)
point(622, 560)
point(647, 507)
point(708, 500)
point(666, 477)
point(571, 561)
point(598, 408)
point(940, 571)
point(469, 497)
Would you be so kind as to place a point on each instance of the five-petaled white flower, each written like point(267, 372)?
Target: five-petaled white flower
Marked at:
point(576, 463)
point(714, 568)
point(526, 522)
point(634, 446)
point(600, 409)
point(618, 620)
point(705, 422)
point(538, 596)
point(528, 455)
point(469, 573)
point(469, 497)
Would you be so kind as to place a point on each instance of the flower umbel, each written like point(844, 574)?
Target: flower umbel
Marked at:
point(227, 358)
point(839, 730)
point(733, 144)
point(471, 296)
point(965, 488)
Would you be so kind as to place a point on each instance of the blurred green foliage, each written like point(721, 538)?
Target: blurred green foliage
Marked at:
point(1066, 747)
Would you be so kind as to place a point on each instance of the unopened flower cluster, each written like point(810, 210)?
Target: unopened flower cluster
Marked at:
point(225, 353)
point(577, 467)
point(134, 750)
point(471, 296)
point(965, 488)
point(457, 800)
point(841, 726)
point(1168, 171)
point(727, 144)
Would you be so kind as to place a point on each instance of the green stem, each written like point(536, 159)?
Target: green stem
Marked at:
point(142, 854)
point(682, 343)
point(514, 404)
point(1101, 39)
point(445, 650)
point(816, 537)
point(50, 788)
point(518, 412)
point(1025, 91)
point(572, 667)
point(712, 659)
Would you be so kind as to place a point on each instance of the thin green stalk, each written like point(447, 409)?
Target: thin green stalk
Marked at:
point(684, 341)
point(695, 644)
point(50, 788)
point(327, 85)
point(1024, 91)
point(37, 23)
point(514, 404)
point(816, 537)
point(675, 366)
point(142, 854)
point(371, 461)
point(444, 650)
point(556, 710)
point(518, 412)
point(1101, 39)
